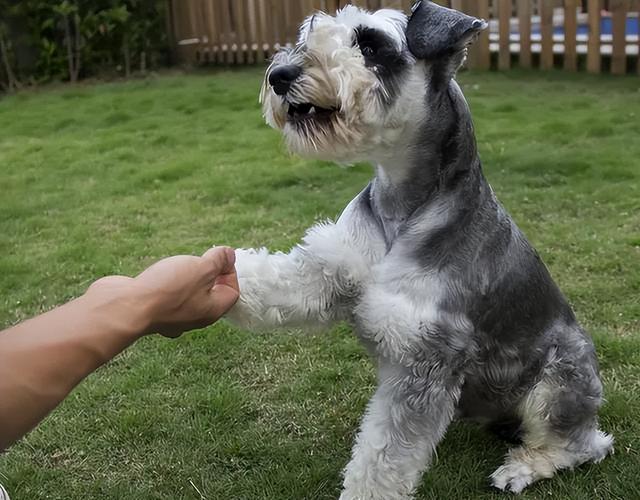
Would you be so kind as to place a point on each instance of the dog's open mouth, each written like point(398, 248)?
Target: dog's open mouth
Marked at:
point(299, 113)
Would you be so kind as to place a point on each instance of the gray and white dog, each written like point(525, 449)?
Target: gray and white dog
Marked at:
point(459, 313)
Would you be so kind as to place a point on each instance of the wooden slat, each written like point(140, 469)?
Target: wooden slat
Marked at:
point(406, 6)
point(278, 22)
point(194, 28)
point(297, 17)
point(594, 59)
point(570, 33)
point(228, 32)
point(288, 21)
point(546, 30)
point(504, 13)
point(269, 31)
point(524, 21)
point(175, 24)
point(251, 28)
point(211, 30)
point(260, 30)
point(479, 55)
point(332, 6)
point(482, 57)
point(619, 19)
point(308, 7)
point(241, 38)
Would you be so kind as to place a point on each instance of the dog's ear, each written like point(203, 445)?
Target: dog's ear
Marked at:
point(436, 33)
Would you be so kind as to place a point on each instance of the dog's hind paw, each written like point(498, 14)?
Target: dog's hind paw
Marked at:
point(513, 476)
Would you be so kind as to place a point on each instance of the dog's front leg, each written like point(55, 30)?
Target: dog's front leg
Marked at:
point(405, 420)
point(307, 286)
point(421, 352)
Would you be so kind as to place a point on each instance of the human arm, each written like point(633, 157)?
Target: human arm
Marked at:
point(44, 358)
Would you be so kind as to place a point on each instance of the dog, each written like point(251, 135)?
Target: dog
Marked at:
point(455, 307)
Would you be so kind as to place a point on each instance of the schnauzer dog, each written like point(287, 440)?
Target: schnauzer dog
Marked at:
point(454, 305)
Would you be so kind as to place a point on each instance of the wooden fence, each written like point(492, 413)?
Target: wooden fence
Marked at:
point(594, 35)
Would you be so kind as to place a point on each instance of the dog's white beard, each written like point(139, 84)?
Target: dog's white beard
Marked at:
point(334, 77)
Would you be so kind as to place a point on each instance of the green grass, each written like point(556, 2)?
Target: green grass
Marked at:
point(105, 179)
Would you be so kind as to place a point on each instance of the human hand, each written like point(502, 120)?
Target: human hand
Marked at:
point(179, 293)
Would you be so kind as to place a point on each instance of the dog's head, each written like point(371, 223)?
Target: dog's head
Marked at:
point(356, 81)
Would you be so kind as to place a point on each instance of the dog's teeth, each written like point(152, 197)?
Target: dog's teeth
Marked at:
point(312, 111)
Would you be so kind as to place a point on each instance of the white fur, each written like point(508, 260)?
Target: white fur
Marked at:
point(335, 76)
point(543, 453)
point(299, 288)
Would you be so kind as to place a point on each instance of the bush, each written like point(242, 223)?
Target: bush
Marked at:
point(44, 40)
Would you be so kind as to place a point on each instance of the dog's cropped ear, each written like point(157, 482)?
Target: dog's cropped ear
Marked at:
point(437, 33)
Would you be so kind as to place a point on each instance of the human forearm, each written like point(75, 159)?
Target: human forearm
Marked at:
point(43, 359)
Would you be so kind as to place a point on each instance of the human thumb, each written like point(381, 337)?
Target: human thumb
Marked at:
point(220, 260)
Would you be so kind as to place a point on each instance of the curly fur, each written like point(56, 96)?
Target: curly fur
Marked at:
point(453, 304)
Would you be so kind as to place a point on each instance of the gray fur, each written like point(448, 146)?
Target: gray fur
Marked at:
point(456, 307)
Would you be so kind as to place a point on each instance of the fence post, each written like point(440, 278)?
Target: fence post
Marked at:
point(483, 59)
point(252, 29)
point(479, 56)
point(546, 31)
point(594, 58)
point(619, 22)
point(570, 34)
point(524, 27)
point(504, 54)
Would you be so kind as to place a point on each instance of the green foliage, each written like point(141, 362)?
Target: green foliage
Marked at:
point(71, 39)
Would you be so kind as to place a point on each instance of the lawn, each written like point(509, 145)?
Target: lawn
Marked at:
point(103, 179)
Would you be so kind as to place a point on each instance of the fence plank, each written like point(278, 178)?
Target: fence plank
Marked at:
point(594, 58)
point(241, 38)
point(225, 12)
point(619, 20)
point(307, 7)
point(570, 34)
point(252, 29)
point(546, 31)
point(524, 27)
point(196, 27)
point(209, 19)
point(479, 55)
point(482, 49)
point(257, 31)
point(504, 15)
point(406, 6)
point(279, 19)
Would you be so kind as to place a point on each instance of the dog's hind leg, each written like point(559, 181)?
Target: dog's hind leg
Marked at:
point(560, 432)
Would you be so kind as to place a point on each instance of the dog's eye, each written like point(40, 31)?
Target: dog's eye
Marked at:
point(368, 51)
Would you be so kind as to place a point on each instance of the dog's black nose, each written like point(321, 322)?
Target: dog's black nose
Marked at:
point(282, 77)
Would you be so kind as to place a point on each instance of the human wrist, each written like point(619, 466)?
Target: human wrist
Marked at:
point(126, 308)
